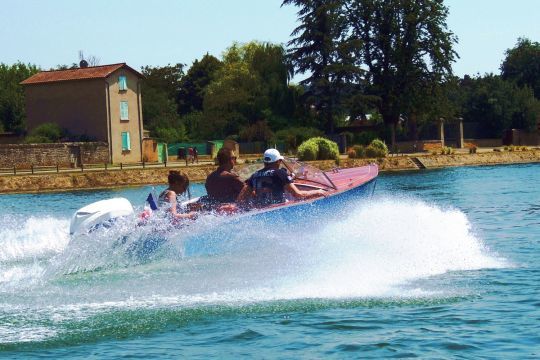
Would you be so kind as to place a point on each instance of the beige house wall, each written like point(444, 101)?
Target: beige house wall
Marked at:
point(134, 123)
point(92, 108)
point(77, 106)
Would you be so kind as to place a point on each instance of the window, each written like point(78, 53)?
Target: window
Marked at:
point(122, 83)
point(126, 142)
point(124, 115)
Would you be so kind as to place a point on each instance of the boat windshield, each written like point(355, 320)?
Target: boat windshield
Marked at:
point(307, 172)
point(301, 171)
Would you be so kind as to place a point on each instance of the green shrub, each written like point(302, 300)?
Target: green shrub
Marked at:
point(376, 149)
point(318, 148)
point(380, 145)
point(328, 150)
point(45, 133)
point(447, 150)
point(37, 139)
point(374, 152)
point(307, 151)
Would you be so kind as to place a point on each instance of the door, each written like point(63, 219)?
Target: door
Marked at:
point(161, 152)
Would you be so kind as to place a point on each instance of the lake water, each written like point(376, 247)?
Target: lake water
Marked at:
point(439, 264)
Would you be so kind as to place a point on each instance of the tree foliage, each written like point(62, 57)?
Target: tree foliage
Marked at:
point(323, 48)
point(159, 91)
point(522, 65)
point(250, 86)
point(12, 106)
point(407, 49)
point(165, 78)
point(499, 105)
point(193, 85)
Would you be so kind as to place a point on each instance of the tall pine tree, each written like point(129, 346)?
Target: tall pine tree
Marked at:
point(323, 49)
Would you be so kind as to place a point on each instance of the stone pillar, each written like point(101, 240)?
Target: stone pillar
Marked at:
point(441, 130)
point(460, 141)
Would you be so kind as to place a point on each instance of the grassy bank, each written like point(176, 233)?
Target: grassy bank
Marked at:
point(135, 177)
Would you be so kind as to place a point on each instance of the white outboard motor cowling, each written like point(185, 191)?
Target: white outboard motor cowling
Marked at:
point(101, 212)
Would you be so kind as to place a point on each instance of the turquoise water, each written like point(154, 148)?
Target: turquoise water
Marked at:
point(440, 264)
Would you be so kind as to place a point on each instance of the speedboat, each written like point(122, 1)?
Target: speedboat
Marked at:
point(340, 185)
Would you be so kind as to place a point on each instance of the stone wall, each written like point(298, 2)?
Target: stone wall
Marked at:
point(485, 158)
point(62, 154)
point(520, 137)
point(485, 142)
point(96, 179)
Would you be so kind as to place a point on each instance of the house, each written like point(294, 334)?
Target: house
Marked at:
point(100, 103)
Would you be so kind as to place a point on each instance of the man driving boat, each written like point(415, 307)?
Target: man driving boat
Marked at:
point(268, 185)
point(222, 185)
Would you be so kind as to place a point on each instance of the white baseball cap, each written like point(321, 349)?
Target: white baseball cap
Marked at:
point(272, 155)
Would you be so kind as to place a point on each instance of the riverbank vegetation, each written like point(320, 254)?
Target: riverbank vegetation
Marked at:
point(387, 64)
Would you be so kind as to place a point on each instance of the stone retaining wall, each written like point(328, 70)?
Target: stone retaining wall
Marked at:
point(121, 178)
point(95, 179)
point(487, 158)
point(63, 154)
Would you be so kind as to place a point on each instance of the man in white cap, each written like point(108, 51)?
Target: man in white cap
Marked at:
point(270, 183)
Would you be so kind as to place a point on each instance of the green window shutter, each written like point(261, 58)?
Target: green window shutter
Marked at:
point(124, 115)
point(126, 141)
point(122, 83)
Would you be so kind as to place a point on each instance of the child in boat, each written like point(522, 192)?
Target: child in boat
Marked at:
point(178, 184)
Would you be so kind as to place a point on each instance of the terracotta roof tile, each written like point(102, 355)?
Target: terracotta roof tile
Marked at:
point(91, 72)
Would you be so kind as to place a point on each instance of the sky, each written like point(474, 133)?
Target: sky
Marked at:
point(48, 33)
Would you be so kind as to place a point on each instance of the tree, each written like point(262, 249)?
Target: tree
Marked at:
point(160, 117)
point(12, 105)
point(193, 84)
point(407, 49)
point(522, 65)
point(159, 91)
point(323, 48)
point(231, 100)
point(250, 86)
point(166, 78)
point(260, 131)
point(499, 105)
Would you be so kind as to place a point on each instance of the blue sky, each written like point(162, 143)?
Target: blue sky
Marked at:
point(158, 32)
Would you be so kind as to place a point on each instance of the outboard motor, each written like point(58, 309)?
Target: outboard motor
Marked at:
point(100, 213)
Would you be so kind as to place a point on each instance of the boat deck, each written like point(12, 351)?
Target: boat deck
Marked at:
point(345, 179)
